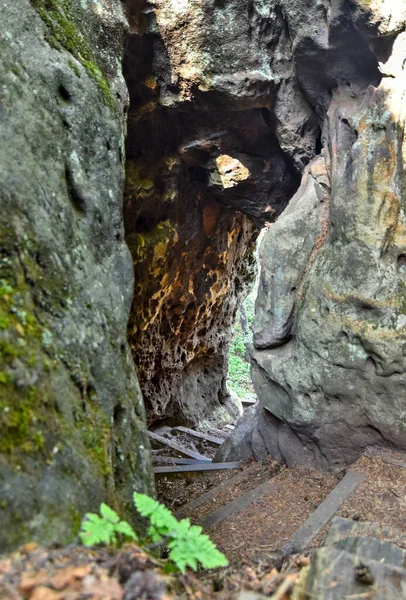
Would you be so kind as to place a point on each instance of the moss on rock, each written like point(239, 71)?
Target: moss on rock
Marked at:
point(64, 33)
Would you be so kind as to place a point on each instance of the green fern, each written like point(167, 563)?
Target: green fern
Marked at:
point(104, 530)
point(187, 545)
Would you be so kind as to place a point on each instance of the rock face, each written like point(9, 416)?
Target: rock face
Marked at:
point(335, 570)
point(235, 108)
point(212, 153)
point(329, 361)
point(72, 429)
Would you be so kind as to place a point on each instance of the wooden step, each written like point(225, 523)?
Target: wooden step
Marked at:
point(174, 460)
point(177, 447)
point(234, 480)
point(245, 402)
point(197, 466)
point(239, 504)
point(322, 514)
point(202, 436)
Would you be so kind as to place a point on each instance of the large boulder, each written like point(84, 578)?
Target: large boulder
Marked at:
point(330, 330)
point(72, 431)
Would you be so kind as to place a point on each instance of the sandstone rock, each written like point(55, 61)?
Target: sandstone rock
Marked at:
point(72, 429)
point(336, 384)
point(284, 256)
point(214, 130)
point(357, 559)
point(208, 159)
point(240, 444)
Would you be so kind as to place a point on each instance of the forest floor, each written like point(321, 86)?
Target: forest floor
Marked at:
point(251, 538)
point(263, 527)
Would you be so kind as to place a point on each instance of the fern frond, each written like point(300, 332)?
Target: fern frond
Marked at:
point(187, 544)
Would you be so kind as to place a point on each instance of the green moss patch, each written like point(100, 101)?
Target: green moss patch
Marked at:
point(20, 339)
point(63, 33)
point(20, 423)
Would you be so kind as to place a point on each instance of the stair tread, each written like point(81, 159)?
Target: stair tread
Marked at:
point(177, 446)
point(200, 435)
point(197, 466)
point(238, 504)
point(206, 497)
point(325, 511)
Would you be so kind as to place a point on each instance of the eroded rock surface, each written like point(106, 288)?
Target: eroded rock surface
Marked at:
point(72, 430)
point(329, 362)
point(219, 132)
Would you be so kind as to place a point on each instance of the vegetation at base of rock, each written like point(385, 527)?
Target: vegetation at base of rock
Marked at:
point(239, 378)
point(187, 545)
point(105, 529)
point(63, 33)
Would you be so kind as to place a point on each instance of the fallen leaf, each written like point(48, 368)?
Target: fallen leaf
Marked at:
point(28, 583)
point(44, 593)
point(27, 548)
point(106, 589)
point(68, 575)
point(5, 565)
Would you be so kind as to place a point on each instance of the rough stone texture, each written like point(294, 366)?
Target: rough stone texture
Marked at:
point(329, 363)
point(363, 560)
point(209, 135)
point(285, 254)
point(71, 415)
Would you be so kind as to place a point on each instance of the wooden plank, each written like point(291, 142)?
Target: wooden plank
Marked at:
point(246, 402)
point(202, 436)
point(322, 514)
point(178, 447)
point(197, 466)
point(174, 460)
point(239, 504)
point(389, 461)
point(187, 508)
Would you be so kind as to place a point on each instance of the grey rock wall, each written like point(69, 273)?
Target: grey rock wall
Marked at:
point(72, 430)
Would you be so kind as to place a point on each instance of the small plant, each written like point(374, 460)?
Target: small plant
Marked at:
point(187, 545)
point(105, 529)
